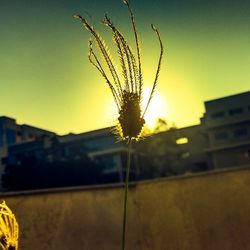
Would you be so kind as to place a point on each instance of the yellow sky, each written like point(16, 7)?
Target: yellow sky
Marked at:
point(47, 81)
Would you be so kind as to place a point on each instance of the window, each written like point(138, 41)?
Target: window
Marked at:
point(235, 111)
point(221, 135)
point(19, 133)
point(182, 140)
point(240, 132)
point(218, 114)
point(10, 136)
point(107, 161)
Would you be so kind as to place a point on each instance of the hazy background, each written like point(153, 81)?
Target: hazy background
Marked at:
point(47, 81)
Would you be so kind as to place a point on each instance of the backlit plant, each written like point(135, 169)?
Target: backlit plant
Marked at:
point(126, 86)
point(8, 229)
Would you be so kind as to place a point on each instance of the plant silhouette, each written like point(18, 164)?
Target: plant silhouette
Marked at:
point(127, 93)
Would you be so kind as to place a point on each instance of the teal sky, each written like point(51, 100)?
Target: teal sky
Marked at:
point(47, 81)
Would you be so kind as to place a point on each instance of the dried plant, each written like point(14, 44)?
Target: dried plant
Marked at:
point(127, 93)
point(8, 229)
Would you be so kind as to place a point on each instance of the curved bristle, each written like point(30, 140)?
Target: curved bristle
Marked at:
point(127, 94)
point(153, 27)
point(126, 2)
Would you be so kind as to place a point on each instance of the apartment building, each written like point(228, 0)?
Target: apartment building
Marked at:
point(12, 133)
point(221, 140)
point(174, 152)
point(101, 146)
point(227, 123)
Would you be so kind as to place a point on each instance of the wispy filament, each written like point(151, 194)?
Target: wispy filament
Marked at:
point(127, 95)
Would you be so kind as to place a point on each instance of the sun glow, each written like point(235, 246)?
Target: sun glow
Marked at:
point(155, 109)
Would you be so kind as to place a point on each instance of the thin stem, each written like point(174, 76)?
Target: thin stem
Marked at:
point(126, 195)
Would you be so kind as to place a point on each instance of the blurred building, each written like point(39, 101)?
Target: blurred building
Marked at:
point(102, 146)
point(12, 133)
point(174, 152)
point(227, 124)
point(191, 142)
point(221, 140)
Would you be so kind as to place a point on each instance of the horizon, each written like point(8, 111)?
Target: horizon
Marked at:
point(107, 127)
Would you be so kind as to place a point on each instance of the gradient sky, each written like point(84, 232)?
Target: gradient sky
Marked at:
point(47, 81)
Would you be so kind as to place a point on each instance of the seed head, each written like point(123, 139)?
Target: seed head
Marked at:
point(127, 92)
point(130, 118)
point(8, 229)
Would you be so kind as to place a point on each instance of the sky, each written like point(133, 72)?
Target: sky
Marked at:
point(47, 81)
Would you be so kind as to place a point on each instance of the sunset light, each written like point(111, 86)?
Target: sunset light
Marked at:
point(125, 124)
point(155, 109)
point(205, 58)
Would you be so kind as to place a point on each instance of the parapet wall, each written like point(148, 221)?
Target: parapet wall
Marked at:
point(208, 211)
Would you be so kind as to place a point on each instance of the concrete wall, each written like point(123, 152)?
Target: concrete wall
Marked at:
point(201, 212)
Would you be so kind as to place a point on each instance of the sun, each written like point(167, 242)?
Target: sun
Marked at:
point(155, 109)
